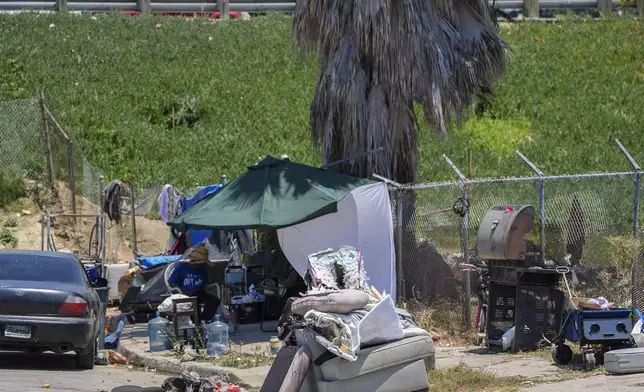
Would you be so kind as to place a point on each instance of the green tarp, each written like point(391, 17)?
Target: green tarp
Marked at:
point(270, 195)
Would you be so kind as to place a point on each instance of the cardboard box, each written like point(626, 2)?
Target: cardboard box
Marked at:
point(126, 280)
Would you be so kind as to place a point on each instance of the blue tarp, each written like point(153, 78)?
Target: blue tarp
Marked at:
point(206, 191)
point(197, 236)
point(153, 261)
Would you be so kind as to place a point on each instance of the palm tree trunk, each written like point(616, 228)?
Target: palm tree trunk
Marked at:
point(380, 58)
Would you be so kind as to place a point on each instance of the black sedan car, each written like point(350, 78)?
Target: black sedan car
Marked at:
point(48, 303)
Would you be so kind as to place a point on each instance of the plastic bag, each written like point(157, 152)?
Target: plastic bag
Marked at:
point(637, 334)
point(167, 305)
point(111, 340)
point(507, 339)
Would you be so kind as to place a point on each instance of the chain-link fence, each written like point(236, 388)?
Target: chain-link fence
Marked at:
point(149, 234)
point(38, 158)
point(588, 222)
point(36, 147)
point(594, 218)
point(21, 132)
point(78, 183)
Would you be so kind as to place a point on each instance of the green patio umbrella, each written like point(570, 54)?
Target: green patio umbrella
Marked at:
point(273, 194)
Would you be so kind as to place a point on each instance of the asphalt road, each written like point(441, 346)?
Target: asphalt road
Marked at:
point(27, 373)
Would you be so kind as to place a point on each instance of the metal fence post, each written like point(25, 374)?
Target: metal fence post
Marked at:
point(49, 244)
point(102, 255)
point(144, 6)
point(48, 153)
point(400, 281)
point(637, 171)
point(101, 214)
point(542, 205)
point(61, 5)
point(605, 6)
point(135, 249)
point(71, 163)
point(101, 194)
point(42, 231)
point(531, 8)
point(465, 244)
point(223, 6)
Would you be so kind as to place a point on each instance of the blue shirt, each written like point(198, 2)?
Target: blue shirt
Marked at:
point(190, 280)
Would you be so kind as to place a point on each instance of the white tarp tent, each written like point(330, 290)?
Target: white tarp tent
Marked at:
point(364, 221)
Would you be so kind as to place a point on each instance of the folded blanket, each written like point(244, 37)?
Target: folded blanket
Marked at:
point(345, 334)
point(335, 332)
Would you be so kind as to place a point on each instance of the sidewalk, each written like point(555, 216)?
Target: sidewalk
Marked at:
point(134, 346)
point(529, 367)
point(537, 371)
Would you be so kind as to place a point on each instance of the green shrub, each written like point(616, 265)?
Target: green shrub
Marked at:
point(500, 138)
point(8, 238)
point(10, 222)
point(609, 251)
point(12, 188)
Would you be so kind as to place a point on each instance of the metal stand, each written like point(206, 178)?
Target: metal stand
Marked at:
point(193, 314)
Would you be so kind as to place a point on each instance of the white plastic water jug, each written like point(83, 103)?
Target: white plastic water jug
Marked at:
point(217, 338)
point(158, 333)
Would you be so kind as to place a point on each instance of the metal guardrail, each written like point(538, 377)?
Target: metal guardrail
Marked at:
point(155, 6)
point(252, 6)
point(552, 4)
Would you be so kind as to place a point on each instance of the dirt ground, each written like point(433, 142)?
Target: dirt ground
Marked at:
point(22, 220)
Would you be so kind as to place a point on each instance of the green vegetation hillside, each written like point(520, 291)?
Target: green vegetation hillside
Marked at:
point(170, 100)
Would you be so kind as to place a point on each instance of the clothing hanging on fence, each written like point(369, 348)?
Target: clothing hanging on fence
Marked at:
point(197, 236)
point(112, 201)
point(168, 203)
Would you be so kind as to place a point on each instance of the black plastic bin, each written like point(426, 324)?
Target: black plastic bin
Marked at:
point(103, 295)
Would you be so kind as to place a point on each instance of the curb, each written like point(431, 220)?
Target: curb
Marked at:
point(138, 357)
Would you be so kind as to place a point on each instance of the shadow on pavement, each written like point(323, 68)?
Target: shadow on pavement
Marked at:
point(483, 351)
point(47, 361)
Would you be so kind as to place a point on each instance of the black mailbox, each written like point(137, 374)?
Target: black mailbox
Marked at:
point(502, 233)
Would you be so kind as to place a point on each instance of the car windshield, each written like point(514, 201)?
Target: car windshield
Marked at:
point(40, 268)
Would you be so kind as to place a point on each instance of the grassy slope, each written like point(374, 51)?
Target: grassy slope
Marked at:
point(571, 89)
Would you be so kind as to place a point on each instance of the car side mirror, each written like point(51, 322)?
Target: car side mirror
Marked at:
point(100, 282)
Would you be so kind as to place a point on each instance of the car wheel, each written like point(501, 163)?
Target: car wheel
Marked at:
point(86, 360)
